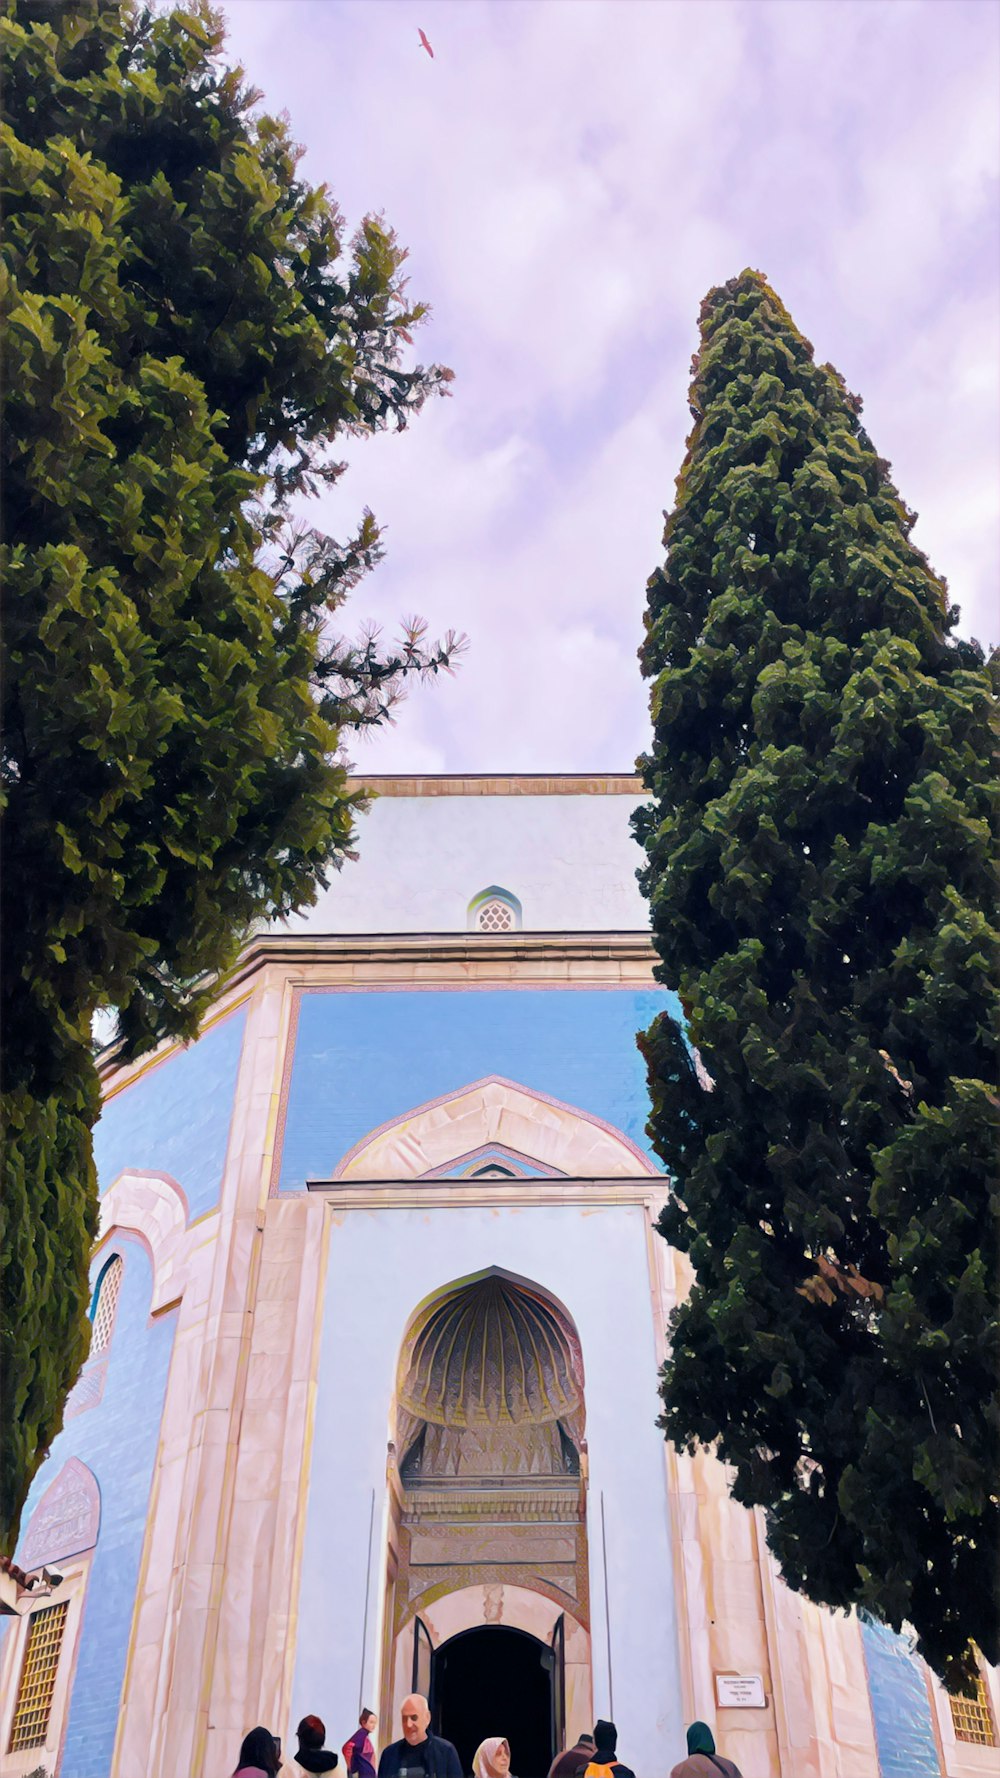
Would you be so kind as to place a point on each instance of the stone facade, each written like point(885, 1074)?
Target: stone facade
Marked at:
point(386, 1108)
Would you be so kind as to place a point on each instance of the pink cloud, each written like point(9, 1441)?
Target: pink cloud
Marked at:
point(570, 180)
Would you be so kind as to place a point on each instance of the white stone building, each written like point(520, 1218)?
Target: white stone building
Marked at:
point(371, 1403)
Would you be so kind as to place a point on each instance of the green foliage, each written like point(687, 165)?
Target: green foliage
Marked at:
point(820, 877)
point(48, 1223)
point(187, 333)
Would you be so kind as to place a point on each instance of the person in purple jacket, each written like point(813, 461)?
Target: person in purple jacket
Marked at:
point(358, 1752)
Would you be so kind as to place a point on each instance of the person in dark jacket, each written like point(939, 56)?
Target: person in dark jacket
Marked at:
point(418, 1754)
point(573, 1762)
point(312, 1755)
point(702, 1760)
point(605, 1761)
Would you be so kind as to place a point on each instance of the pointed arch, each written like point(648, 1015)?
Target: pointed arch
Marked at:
point(489, 1113)
point(494, 910)
point(154, 1207)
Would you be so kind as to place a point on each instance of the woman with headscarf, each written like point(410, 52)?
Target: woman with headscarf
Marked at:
point(702, 1760)
point(492, 1758)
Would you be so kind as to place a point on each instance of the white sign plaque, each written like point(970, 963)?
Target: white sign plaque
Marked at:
point(740, 1691)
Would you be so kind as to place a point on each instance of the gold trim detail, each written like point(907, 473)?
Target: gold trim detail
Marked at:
point(38, 1677)
point(972, 1718)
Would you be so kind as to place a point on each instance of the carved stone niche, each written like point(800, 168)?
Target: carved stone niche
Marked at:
point(490, 1389)
point(66, 1520)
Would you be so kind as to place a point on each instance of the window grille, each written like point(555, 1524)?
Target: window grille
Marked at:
point(495, 916)
point(106, 1305)
point(972, 1718)
point(494, 909)
point(38, 1677)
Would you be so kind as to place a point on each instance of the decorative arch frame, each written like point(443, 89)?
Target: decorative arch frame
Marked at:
point(445, 1589)
point(495, 1113)
point(155, 1208)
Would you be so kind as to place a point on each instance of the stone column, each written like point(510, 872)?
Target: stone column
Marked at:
point(168, 1692)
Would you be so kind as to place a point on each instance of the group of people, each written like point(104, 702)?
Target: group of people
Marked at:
point(420, 1754)
point(596, 1756)
point(260, 1754)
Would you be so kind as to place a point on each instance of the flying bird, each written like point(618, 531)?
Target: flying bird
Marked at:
point(425, 43)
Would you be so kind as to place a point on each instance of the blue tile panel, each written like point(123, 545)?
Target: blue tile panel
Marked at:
point(904, 1731)
point(363, 1059)
point(118, 1441)
point(175, 1119)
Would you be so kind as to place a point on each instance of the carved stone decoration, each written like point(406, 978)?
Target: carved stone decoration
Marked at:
point(490, 1421)
point(493, 1112)
point(491, 1160)
point(566, 1587)
point(66, 1520)
point(492, 1605)
point(490, 1384)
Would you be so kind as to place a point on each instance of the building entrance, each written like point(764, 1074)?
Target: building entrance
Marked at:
point(497, 1681)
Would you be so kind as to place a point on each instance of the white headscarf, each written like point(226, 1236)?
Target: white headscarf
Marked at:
point(483, 1764)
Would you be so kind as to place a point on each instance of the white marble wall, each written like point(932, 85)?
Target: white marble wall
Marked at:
point(382, 1263)
point(570, 860)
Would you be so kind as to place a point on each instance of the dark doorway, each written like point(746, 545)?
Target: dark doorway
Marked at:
point(496, 1681)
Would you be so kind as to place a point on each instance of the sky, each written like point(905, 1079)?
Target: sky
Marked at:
point(570, 178)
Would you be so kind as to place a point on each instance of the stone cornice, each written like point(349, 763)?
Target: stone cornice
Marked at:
point(426, 955)
point(479, 1194)
point(500, 784)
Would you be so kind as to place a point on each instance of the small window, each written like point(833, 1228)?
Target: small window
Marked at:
point(106, 1305)
point(495, 910)
point(38, 1677)
point(972, 1718)
point(495, 916)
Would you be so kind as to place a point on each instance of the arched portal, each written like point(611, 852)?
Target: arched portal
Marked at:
point(487, 1479)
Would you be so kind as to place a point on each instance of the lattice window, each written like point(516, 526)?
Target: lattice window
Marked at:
point(972, 1718)
point(38, 1677)
point(495, 916)
point(494, 909)
point(106, 1306)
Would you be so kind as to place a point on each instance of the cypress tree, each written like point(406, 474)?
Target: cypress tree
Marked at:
point(187, 333)
point(820, 873)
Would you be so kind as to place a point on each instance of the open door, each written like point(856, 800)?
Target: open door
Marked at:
point(423, 1662)
point(559, 1685)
